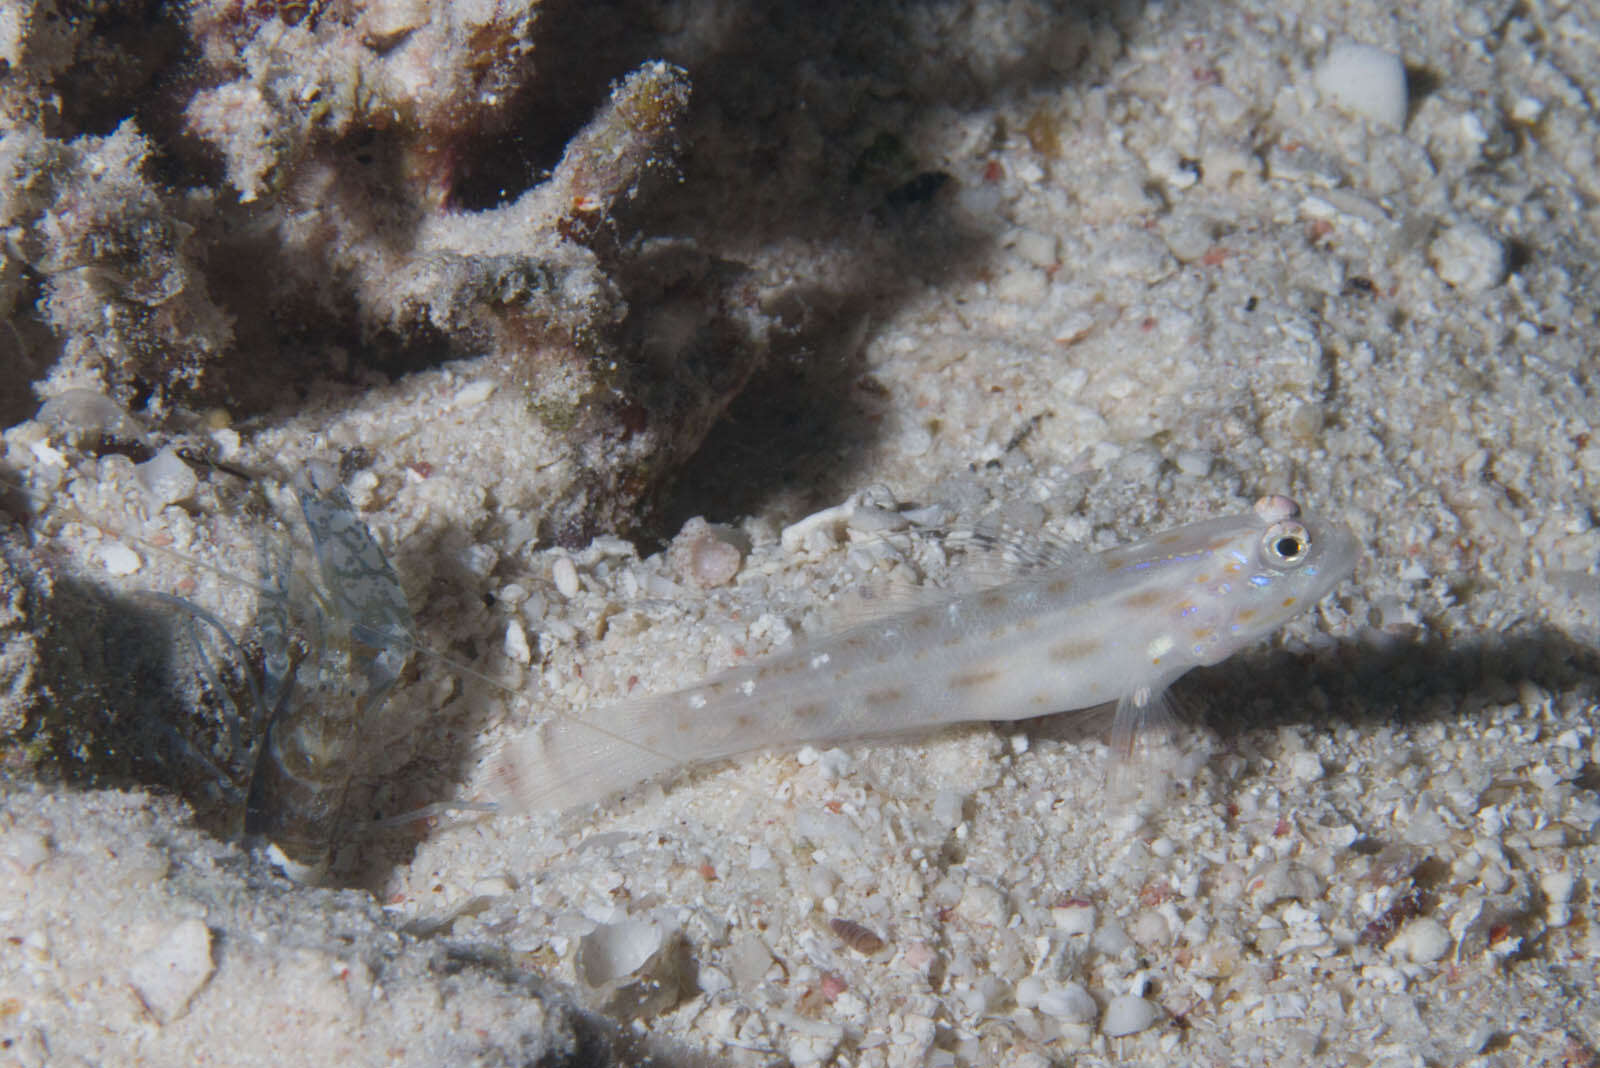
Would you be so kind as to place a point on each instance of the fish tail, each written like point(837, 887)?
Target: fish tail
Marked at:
point(566, 763)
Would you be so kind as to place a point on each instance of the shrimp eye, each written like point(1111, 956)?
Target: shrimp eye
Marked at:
point(1285, 544)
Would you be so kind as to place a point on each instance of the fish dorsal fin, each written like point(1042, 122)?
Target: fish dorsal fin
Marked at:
point(996, 545)
point(933, 557)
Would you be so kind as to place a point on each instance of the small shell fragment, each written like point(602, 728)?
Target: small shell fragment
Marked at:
point(616, 950)
point(816, 531)
point(516, 644)
point(1128, 1015)
point(704, 555)
point(564, 573)
point(1074, 917)
point(1071, 1003)
point(1422, 941)
point(474, 393)
point(119, 559)
point(859, 938)
point(1366, 81)
point(634, 968)
point(80, 413)
point(166, 478)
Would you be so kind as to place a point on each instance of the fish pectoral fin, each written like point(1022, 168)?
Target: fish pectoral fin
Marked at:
point(1143, 743)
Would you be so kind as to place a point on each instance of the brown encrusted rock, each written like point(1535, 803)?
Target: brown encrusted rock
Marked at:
point(122, 286)
point(302, 75)
point(328, 243)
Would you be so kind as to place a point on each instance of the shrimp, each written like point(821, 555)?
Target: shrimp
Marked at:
point(323, 685)
point(365, 632)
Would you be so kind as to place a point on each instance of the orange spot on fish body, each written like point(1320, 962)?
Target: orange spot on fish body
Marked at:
point(1073, 650)
point(1145, 599)
point(994, 600)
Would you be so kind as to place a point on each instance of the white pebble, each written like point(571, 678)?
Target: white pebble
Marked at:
point(983, 906)
point(1366, 81)
point(1128, 1015)
point(1305, 766)
point(1557, 887)
point(46, 455)
point(1074, 919)
point(362, 485)
point(474, 393)
point(1150, 928)
point(492, 886)
point(76, 413)
point(1469, 258)
point(170, 973)
point(1071, 1003)
point(166, 478)
point(1527, 109)
point(119, 559)
point(704, 554)
point(517, 643)
point(565, 575)
point(1283, 881)
point(1422, 941)
point(1037, 248)
point(226, 439)
point(947, 808)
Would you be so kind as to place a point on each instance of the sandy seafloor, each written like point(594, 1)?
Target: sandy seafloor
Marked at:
point(1380, 847)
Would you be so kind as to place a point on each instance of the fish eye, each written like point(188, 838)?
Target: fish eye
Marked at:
point(1285, 544)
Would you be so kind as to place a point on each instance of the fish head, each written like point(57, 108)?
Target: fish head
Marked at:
point(1272, 566)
